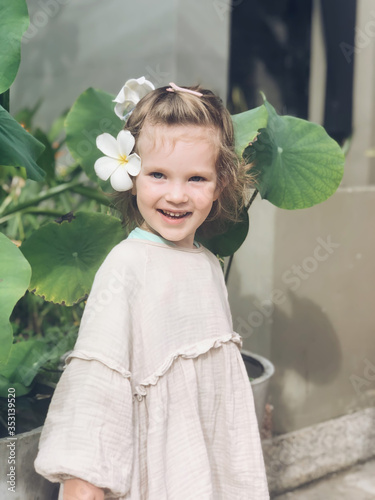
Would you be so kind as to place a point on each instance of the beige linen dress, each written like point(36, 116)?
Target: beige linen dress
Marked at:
point(155, 402)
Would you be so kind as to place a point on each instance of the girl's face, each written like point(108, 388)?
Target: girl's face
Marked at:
point(177, 183)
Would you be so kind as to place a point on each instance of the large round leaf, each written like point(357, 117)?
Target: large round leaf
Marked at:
point(246, 126)
point(14, 21)
point(91, 115)
point(18, 148)
point(228, 243)
point(15, 273)
point(296, 162)
point(65, 257)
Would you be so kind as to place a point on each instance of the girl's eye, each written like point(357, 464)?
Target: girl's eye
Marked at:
point(157, 175)
point(196, 178)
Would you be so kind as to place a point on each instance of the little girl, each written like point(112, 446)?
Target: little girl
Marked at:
point(155, 402)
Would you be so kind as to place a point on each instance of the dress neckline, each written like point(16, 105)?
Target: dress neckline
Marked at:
point(151, 238)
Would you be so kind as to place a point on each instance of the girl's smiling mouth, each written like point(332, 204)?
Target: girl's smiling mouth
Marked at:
point(173, 216)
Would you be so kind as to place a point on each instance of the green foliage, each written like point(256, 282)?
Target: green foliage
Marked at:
point(26, 115)
point(246, 126)
point(65, 257)
point(36, 357)
point(17, 361)
point(25, 359)
point(297, 164)
point(228, 243)
point(14, 21)
point(30, 192)
point(18, 148)
point(47, 159)
point(91, 115)
point(63, 189)
point(15, 274)
point(21, 361)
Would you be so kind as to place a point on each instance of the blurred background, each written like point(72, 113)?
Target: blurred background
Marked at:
point(314, 60)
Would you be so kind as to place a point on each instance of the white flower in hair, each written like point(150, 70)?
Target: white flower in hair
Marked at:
point(118, 162)
point(130, 94)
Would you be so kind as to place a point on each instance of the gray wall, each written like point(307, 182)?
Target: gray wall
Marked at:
point(307, 302)
point(75, 44)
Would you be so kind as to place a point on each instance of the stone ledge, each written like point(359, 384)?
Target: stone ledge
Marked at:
point(302, 456)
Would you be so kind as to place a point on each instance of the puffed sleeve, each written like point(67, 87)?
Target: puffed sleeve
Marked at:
point(88, 431)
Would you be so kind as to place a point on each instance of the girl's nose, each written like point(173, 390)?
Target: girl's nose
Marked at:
point(176, 193)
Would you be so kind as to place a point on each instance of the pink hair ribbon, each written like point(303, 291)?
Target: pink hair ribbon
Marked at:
point(181, 89)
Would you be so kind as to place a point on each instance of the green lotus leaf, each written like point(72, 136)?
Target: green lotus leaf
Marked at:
point(297, 164)
point(229, 242)
point(14, 21)
point(65, 256)
point(246, 126)
point(18, 148)
point(15, 273)
point(91, 115)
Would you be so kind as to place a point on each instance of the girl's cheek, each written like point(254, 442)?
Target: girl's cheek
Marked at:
point(153, 189)
point(206, 196)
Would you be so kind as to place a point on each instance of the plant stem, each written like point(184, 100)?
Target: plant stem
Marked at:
point(228, 268)
point(91, 193)
point(47, 194)
point(21, 230)
point(252, 199)
point(33, 211)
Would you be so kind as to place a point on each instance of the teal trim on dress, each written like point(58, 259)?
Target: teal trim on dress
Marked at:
point(142, 234)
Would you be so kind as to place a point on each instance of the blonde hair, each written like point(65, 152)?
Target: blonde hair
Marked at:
point(234, 181)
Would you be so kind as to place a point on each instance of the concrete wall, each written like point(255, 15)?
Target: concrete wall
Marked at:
point(302, 293)
point(75, 44)
point(302, 286)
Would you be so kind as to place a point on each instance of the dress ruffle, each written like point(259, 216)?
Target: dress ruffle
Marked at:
point(89, 356)
point(187, 352)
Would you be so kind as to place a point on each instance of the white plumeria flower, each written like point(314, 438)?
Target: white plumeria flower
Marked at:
point(130, 94)
point(118, 163)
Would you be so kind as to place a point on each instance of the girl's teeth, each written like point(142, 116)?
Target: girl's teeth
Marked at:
point(174, 215)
